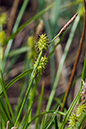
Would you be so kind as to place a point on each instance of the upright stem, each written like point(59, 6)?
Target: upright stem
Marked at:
point(29, 87)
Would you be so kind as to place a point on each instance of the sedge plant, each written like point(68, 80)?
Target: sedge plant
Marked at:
point(10, 119)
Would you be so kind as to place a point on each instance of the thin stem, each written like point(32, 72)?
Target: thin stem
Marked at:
point(40, 104)
point(56, 123)
point(65, 27)
point(46, 112)
point(29, 87)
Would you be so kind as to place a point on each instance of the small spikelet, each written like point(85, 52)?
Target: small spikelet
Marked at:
point(72, 120)
point(43, 42)
point(2, 37)
point(3, 18)
point(80, 109)
point(42, 64)
point(30, 44)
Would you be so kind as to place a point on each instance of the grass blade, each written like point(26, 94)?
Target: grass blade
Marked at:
point(16, 79)
point(14, 30)
point(39, 105)
point(56, 124)
point(19, 51)
point(7, 100)
point(29, 87)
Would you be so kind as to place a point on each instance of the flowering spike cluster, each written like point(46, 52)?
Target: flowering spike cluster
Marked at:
point(80, 110)
point(42, 64)
point(72, 120)
point(3, 19)
point(30, 43)
point(2, 37)
point(43, 42)
point(75, 117)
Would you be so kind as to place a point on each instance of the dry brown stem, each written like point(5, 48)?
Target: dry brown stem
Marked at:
point(12, 17)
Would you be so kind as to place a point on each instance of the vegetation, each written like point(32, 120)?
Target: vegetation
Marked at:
point(39, 51)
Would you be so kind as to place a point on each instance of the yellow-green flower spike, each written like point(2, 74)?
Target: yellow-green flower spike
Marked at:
point(31, 44)
point(2, 37)
point(30, 41)
point(81, 11)
point(42, 64)
point(80, 109)
point(43, 42)
point(75, 117)
point(1, 53)
point(3, 19)
point(72, 120)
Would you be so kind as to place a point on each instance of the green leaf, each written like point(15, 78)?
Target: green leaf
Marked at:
point(16, 79)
